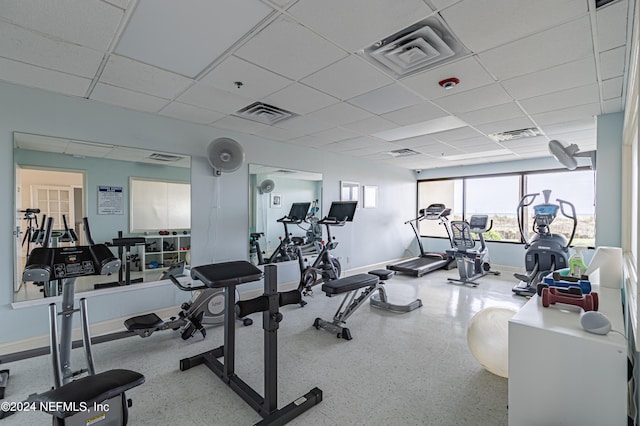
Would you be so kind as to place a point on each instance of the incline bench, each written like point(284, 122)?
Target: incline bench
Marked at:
point(368, 284)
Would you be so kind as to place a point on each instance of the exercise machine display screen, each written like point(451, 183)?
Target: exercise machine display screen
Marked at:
point(546, 209)
point(342, 210)
point(299, 211)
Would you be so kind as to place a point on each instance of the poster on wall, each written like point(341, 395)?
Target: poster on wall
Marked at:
point(110, 200)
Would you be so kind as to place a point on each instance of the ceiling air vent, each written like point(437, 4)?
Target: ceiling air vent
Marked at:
point(423, 45)
point(405, 152)
point(168, 158)
point(602, 3)
point(264, 113)
point(515, 134)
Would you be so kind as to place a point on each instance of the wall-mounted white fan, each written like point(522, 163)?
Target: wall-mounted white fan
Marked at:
point(267, 186)
point(567, 155)
point(225, 155)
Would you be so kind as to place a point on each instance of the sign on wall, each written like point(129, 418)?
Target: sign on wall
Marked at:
point(110, 200)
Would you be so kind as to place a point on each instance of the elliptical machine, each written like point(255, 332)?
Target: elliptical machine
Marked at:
point(472, 263)
point(546, 251)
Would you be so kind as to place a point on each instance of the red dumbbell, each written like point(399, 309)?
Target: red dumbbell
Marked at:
point(551, 295)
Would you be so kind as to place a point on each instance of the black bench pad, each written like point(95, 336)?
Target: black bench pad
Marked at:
point(90, 389)
point(383, 274)
point(347, 284)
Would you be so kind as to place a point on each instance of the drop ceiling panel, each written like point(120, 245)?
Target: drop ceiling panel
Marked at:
point(491, 114)
point(238, 124)
point(547, 49)
point(256, 82)
point(335, 134)
point(386, 99)
point(612, 63)
point(612, 88)
point(164, 32)
point(484, 24)
point(470, 73)
point(190, 113)
point(612, 105)
point(133, 75)
point(41, 78)
point(441, 4)
point(571, 126)
point(506, 125)
point(349, 77)
point(562, 99)
point(438, 150)
point(417, 141)
point(289, 49)
point(303, 125)
point(127, 98)
point(308, 141)
point(424, 111)
point(300, 99)
point(482, 97)
point(88, 149)
point(355, 24)
point(349, 144)
point(27, 46)
point(566, 76)
point(371, 125)
point(582, 112)
point(611, 29)
point(339, 114)
point(456, 134)
point(90, 23)
point(476, 147)
point(122, 4)
point(214, 99)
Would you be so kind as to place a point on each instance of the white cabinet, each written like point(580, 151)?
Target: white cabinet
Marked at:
point(166, 250)
point(560, 374)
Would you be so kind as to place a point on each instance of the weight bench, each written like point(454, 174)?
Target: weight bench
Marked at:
point(368, 284)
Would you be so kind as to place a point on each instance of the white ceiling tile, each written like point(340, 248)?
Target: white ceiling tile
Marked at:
point(355, 24)
point(127, 98)
point(90, 23)
point(41, 78)
point(456, 134)
point(289, 49)
point(122, 4)
point(611, 21)
point(475, 145)
point(566, 76)
point(190, 113)
point(303, 125)
point(339, 114)
point(468, 71)
point(27, 46)
point(562, 99)
point(571, 126)
point(612, 105)
point(547, 49)
point(238, 124)
point(281, 3)
point(470, 100)
point(309, 141)
point(214, 99)
point(484, 24)
point(351, 144)
point(612, 88)
point(582, 112)
point(133, 75)
point(441, 4)
point(491, 114)
point(39, 143)
point(612, 63)
point(506, 125)
point(335, 134)
point(573, 136)
point(386, 99)
point(424, 111)
point(349, 77)
point(187, 37)
point(256, 82)
point(278, 134)
point(371, 125)
point(417, 141)
point(438, 149)
point(300, 99)
point(527, 144)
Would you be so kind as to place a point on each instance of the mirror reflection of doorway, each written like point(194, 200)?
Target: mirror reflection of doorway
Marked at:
point(55, 194)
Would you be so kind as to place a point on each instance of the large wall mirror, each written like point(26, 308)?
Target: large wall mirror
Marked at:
point(272, 192)
point(122, 191)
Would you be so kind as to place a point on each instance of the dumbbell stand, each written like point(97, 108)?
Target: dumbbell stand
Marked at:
point(266, 406)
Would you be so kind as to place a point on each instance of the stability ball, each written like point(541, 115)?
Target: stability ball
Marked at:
point(488, 338)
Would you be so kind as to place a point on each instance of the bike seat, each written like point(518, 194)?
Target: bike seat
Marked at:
point(142, 322)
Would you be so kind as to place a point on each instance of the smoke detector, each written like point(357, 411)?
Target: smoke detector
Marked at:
point(449, 83)
point(423, 45)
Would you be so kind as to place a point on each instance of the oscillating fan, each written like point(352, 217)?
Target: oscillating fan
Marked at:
point(225, 155)
point(266, 186)
point(567, 154)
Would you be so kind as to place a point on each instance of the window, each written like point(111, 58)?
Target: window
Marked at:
point(498, 196)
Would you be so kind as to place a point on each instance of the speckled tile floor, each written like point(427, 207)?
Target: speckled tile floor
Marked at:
point(399, 369)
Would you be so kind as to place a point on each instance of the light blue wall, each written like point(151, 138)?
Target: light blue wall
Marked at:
point(99, 171)
point(219, 207)
point(609, 180)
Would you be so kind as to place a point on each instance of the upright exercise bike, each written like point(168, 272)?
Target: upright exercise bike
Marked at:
point(472, 263)
point(546, 251)
point(325, 267)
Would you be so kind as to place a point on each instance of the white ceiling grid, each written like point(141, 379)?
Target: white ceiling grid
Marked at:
point(551, 64)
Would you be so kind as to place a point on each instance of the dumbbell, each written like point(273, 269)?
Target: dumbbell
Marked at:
point(552, 295)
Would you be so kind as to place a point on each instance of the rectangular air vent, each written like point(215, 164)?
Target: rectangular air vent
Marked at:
point(168, 158)
point(515, 134)
point(264, 113)
point(416, 48)
point(405, 152)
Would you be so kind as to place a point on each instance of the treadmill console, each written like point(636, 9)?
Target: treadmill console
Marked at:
point(435, 211)
point(53, 263)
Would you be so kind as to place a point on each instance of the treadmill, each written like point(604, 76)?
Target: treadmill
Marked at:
point(427, 262)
